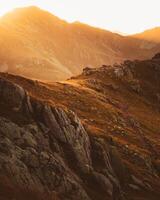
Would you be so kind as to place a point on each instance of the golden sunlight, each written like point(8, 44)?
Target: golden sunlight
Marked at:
point(125, 16)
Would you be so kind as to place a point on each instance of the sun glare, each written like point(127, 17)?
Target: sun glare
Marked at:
point(125, 16)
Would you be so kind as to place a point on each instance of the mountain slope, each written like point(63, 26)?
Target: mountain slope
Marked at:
point(38, 45)
point(107, 147)
point(152, 35)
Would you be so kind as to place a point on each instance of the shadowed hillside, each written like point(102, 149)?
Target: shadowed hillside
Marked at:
point(38, 45)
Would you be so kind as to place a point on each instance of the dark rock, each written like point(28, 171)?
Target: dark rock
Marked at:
point(87, 71)
point(156, 56)
point(12, 94)
point(53, 151)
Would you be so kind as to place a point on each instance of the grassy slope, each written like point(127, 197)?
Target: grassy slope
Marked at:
point(109, 108)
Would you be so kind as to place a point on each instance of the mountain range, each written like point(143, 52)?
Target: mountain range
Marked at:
point(33, 40)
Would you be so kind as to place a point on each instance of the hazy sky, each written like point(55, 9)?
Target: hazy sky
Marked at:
point(126, 16)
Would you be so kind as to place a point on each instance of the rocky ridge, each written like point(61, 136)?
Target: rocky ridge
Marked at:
point(50, 151)
point(109, 149)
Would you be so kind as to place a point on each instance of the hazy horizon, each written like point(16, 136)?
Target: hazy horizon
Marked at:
point(105, 14)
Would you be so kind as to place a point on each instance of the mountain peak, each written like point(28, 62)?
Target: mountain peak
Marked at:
point(21, 10)
point(31, 13)
point(31, 8)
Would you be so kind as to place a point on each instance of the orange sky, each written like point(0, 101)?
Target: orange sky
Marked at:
point(126, 16)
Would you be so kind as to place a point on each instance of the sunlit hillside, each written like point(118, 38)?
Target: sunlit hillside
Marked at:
point(92, 137)
point(79, 105)
point(36, 44)
point(152, 35)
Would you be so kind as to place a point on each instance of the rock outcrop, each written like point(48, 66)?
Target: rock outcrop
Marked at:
point(157, 56)
point(50, 151)
point(93, 137)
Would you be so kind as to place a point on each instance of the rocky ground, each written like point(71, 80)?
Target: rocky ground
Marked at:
point(93, 137)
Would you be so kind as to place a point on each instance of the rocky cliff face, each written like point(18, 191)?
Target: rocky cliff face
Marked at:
point(46, 150)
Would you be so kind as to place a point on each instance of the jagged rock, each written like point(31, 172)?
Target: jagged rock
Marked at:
point(158, 97)
point(156, 164)
point(104, 183)
point(137, 181)
point(157, 56)
point(9, 129)
point(87, 71)
point(134, 187)
point(6, 147)
point(119, 72)
point(22, 142)
point(38, 153)
point(29, 140)
point(102, 162)
point(135, 85)
point(119, 167)
point(13, 95)
point(30, 159)
point(66, 128)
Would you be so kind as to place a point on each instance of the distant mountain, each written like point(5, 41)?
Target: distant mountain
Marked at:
point(152, 35)
point(36, 44)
